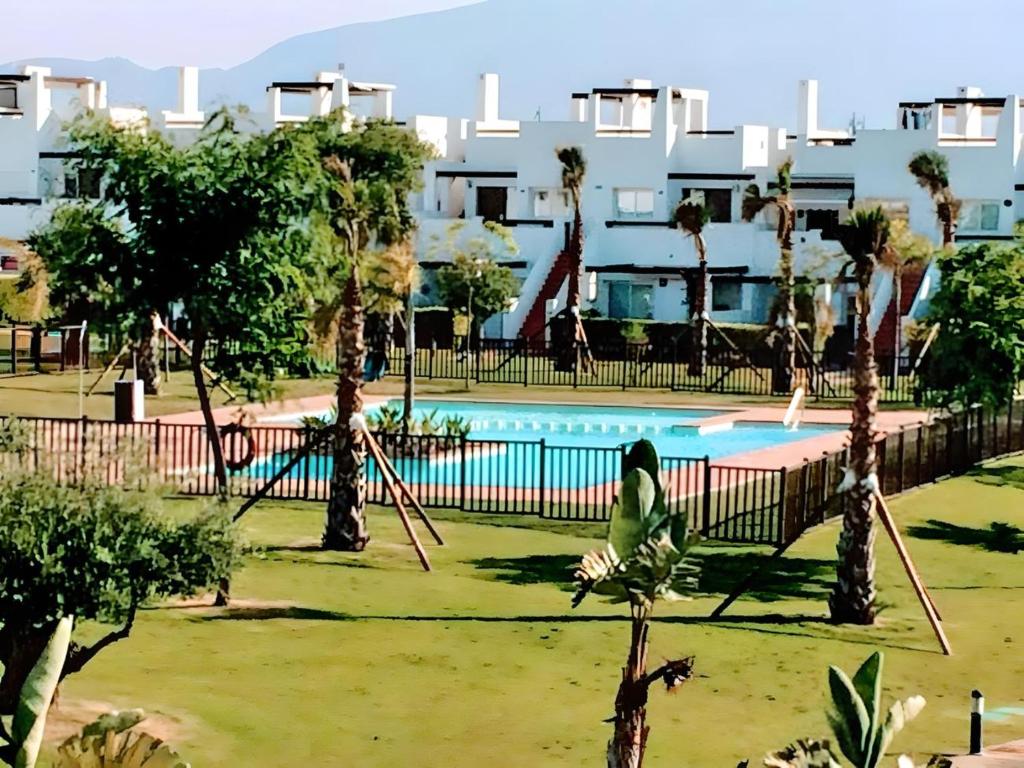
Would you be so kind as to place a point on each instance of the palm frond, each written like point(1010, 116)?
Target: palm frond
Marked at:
point(574, 168)
point(931, 169)
point(753, 203)
point(692, 215)
point(865, 234)
point(785, 174)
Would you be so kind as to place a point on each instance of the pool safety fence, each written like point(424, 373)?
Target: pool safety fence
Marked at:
point(626, 365)
point(723, 500)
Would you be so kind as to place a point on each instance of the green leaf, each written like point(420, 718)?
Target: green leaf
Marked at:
point(849, 719)
point(36, 695)
point(868, 684)
point(628, 528)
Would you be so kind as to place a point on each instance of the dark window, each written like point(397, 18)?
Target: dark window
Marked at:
point(719, 200)
point(81, 182)
point(630, 300)
point(491, 203)
point(824, 220)
point(726, 297)
point(8, 96)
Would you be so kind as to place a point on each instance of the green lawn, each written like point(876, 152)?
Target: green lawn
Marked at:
point(363, 660)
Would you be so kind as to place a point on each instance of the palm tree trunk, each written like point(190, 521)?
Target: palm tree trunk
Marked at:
point(147, 359)
point(568, 347)
point(626, 749)
point(785, 367)
point(346, 511)
point(699, 326)
point(897, 342)
point(853, 598)
point(409, 391)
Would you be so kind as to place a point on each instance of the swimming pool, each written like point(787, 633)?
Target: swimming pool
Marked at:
point(519, 445)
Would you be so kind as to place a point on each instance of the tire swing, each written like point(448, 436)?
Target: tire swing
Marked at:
point(230, 436)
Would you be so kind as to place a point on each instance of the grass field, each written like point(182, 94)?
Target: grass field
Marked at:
point(363, 660)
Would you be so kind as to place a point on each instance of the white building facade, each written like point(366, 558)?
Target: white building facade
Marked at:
point(646, 148)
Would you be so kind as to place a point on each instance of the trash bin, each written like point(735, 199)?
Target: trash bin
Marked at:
point(129, 401)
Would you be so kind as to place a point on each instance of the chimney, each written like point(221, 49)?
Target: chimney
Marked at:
point(807, 118)
point(188, 90)
point(487, 98)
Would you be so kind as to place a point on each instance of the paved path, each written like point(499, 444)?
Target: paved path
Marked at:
point(1009, 755)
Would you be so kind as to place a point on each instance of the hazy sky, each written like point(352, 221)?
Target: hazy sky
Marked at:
point(156, 33)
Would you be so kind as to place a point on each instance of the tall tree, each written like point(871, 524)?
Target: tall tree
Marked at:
point(931, 169)
point(374, 167)
point(691, 216)
point(905, 249)
point(753, 203)
point(220, 227)
point(864, 237)
point(574, 171)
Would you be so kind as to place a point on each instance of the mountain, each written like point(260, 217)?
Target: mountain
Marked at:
point(868, 56)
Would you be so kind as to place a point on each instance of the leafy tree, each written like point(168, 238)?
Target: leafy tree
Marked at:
point(644, 560)
point(474, 266)
point(97, 553)
point(931, 169)
point(864, 237)
point(753, 203)
point(978, 357)
point(225, 227)
point(574, 171)
point(691, 216)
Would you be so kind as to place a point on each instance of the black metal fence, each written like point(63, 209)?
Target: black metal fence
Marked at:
point(559, 482)
point(530, 477)
point(626, 365)
point(907, 458)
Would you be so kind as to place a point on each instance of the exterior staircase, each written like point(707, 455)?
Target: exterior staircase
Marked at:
point(884, 337)
point(537, 315)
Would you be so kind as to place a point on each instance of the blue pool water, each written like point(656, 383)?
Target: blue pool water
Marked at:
point(581, 443)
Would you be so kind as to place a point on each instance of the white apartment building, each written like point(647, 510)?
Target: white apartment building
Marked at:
point(646, 148)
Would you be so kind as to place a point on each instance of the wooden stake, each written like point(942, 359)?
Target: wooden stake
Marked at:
point(915, 579)
point(420, 512)
point(107, 370)
point(377, 454)
point(214, 379)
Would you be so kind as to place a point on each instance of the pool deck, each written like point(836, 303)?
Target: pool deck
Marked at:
point(776, 457)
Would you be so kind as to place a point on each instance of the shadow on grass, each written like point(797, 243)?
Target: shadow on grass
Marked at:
point(998, 537)
point(1002, 475)
point(721, 569)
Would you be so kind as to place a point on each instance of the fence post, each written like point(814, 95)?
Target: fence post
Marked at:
point(462, 473)
point(625, 366)
point(541, 484)
point(526, 363)
point(14, 350)
point(83, 439)
point(307, 434)
point(37, 348)
point(705, 525)
point(900, 457)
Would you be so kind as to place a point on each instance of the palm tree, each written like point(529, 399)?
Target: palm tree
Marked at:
point(864, 237)
point(691, 216)
point(931, 169)
point(643, 560)
point(574, 170)
point(753, 203)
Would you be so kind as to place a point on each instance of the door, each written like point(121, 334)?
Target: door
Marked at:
point(491, 203)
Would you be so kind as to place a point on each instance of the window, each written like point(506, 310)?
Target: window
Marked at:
point(81, 182)
point(8, 96)
point(981, 216)
point(549, 203)
point(632, 300)
point(719, 200)
point(726, 297)
point(825, 220)
point(634, 202)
